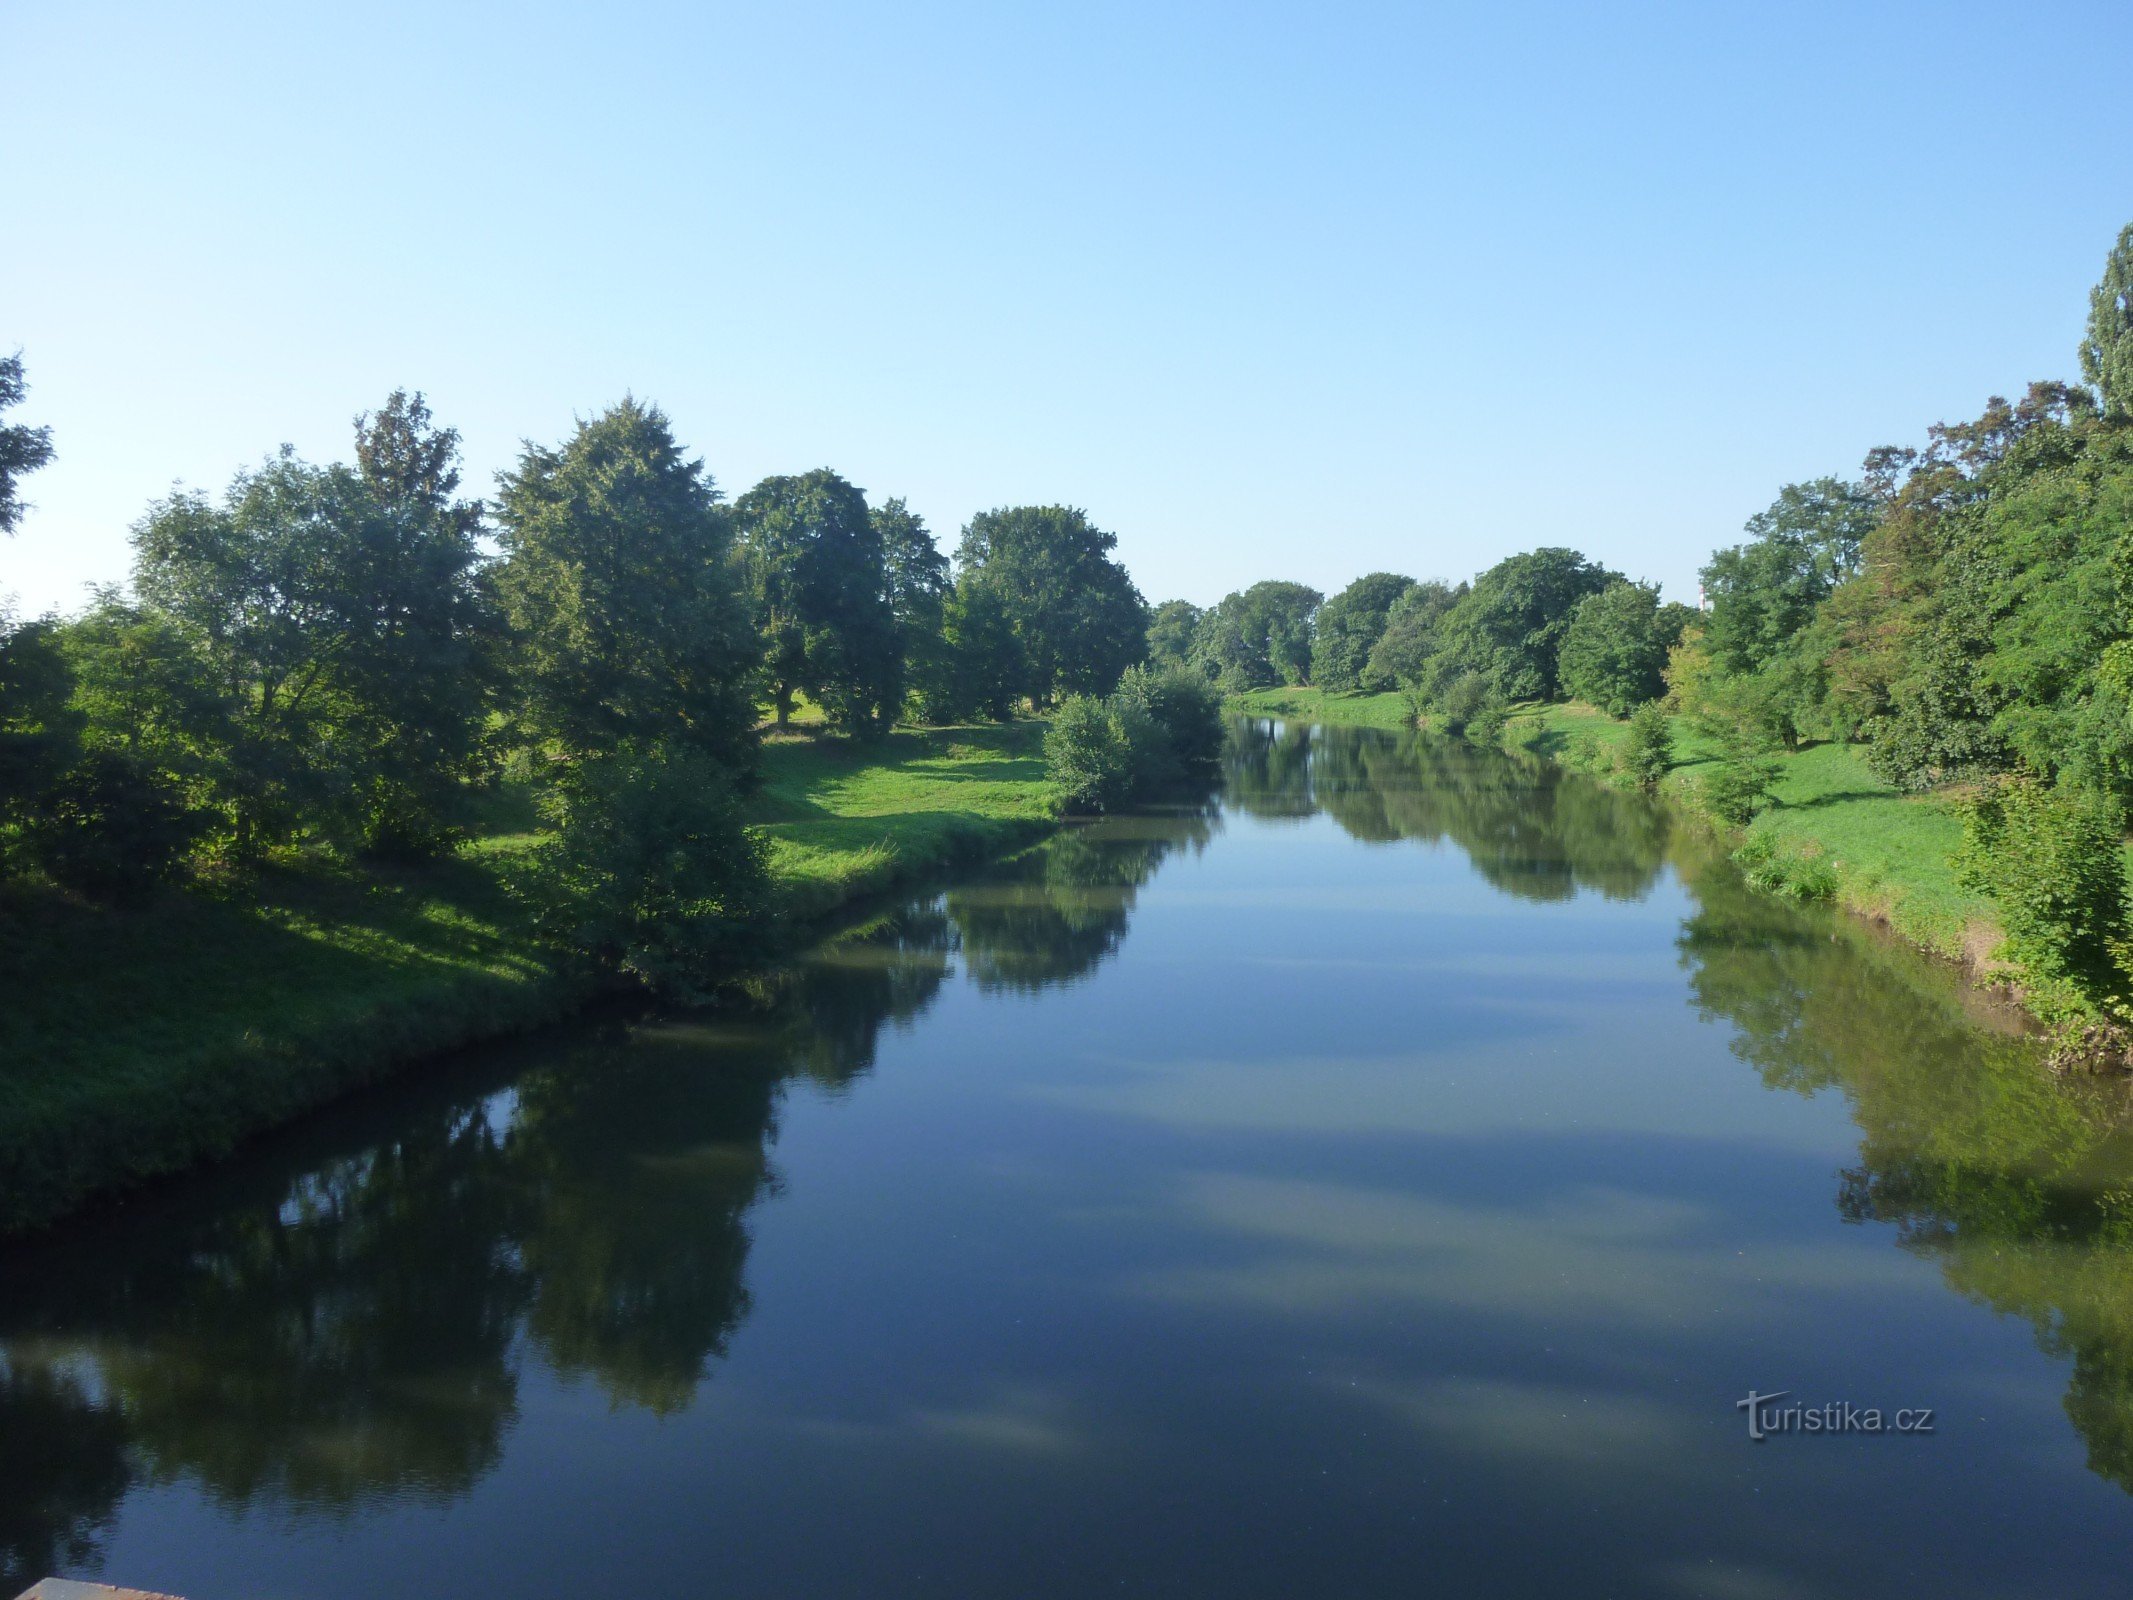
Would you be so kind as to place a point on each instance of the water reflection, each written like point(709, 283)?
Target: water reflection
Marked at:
point(347, 1321)
point(350, 1317)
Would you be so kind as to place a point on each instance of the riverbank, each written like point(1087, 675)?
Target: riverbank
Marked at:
point(1837, 831)
point(136, 1043)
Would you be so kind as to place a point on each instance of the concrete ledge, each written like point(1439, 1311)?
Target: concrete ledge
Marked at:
point(69, 1589)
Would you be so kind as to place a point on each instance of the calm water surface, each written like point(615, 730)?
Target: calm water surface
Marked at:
point(1382, 1182)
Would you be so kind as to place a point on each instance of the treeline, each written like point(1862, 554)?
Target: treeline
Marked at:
point(351, 660)
point(1961, 611)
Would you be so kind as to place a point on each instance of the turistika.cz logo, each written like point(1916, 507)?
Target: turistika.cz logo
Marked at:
point(1767, 1417)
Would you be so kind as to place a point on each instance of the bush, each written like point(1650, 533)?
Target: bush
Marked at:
point(1649, 755)
point(1087, 756)
point(1804, 874)
point(1185, 704)
point(1739, 786)
point(1459, 701)
point(110, 829)
point(2049, 860)
point(651, 872)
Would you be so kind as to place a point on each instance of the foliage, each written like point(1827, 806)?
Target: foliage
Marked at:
point(1763, 592)
point(111, 828)
point(1170, 630)
point(2049, 859)
point(650, 871)
point(23, 449)
point(1613, 654)
point(1156, 730)
point(627, 624)
point(40, 731)
point(1403, 650)
point(1046, 577)
point(819, 591)
point(1649, 755)
point(1258, 636)
point(1509, 627)
point(1739, 785)
point(1461, 701)
point(1188, 710)
point(2107, 346)
point(918, 586)
point(1348, 628)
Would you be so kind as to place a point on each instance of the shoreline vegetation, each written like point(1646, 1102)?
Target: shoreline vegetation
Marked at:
point(147, 1040)
point(1832, 830)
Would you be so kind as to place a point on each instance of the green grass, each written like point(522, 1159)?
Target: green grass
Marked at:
point(138, 1042)
point(1324, 705)
point(1888, 853)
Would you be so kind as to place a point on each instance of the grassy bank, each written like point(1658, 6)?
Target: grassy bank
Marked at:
point(1324, 705)
point(139, 1042)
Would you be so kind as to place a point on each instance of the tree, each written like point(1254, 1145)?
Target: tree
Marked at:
point(1047, 573)
point(1348, 629)
point(23, 449)
point(1402, 652)
point(1509, 626)
point(626, 616)
point(1800, 548)
point(419, 670)
point(2107, 348)
point(1170, 632)
point(818, 584)
point(1614, 652)
point(919, 587)
point(40, 730)
point(1259, 636)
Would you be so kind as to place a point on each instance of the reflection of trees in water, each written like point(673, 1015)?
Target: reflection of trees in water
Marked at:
point(63, 1470)
point(1054, 914)
point(351, 1322)
point(1527, 826)
point(2019, 1184)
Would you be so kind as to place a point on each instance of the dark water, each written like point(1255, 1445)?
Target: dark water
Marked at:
point(1385, 1182)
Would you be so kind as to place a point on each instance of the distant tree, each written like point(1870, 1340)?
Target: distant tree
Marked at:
point(1047, 574)
point(39, 728)
point(1614, 652)
point(1170, 632)
point(984, 657)
point(1402, 651)
point(818, 583)
point(23, 449)
point(1509, 626)
point(1348, 628)
point(626, 616)
point(1765, 591)
point(2107, 347)
point(919, 587)
point(1258, 636)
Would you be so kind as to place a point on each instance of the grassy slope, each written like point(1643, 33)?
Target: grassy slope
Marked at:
point(1323, 705)
point(136, 1043)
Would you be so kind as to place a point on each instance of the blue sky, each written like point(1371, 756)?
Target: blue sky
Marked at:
point(1273, 291)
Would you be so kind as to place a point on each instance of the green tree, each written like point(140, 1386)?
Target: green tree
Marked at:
point(40, 730)
point(23, 449)
point(919, 587)
point(1259, 636)
point(1509, 626)
point(1047, 574)
point(1170, 632)
point(626, 617)
point(2107, 347)
point(1614, 652)
point(1799, 549)
point(1348, 629)
point(1401, 654)
point(819, 587)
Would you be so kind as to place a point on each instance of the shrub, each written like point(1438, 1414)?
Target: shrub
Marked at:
point(110, 829)
point(1803, 874)
point(2049, 860)
point(1460, 700)
point(1739, 786)
point(1486, 724)
point(651, 872)
point(1088, 756)
point(1649, 755)
point(1186, 706)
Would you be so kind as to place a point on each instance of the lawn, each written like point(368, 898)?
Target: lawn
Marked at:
point(1352, 710)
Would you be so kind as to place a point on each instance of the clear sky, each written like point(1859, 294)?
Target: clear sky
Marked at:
point(1290, 291)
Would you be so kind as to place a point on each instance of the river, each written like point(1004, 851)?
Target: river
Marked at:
point(1385, 1179)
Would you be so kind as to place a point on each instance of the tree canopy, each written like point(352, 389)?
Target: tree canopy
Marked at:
point(1061, 601)
point(1348, 628)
